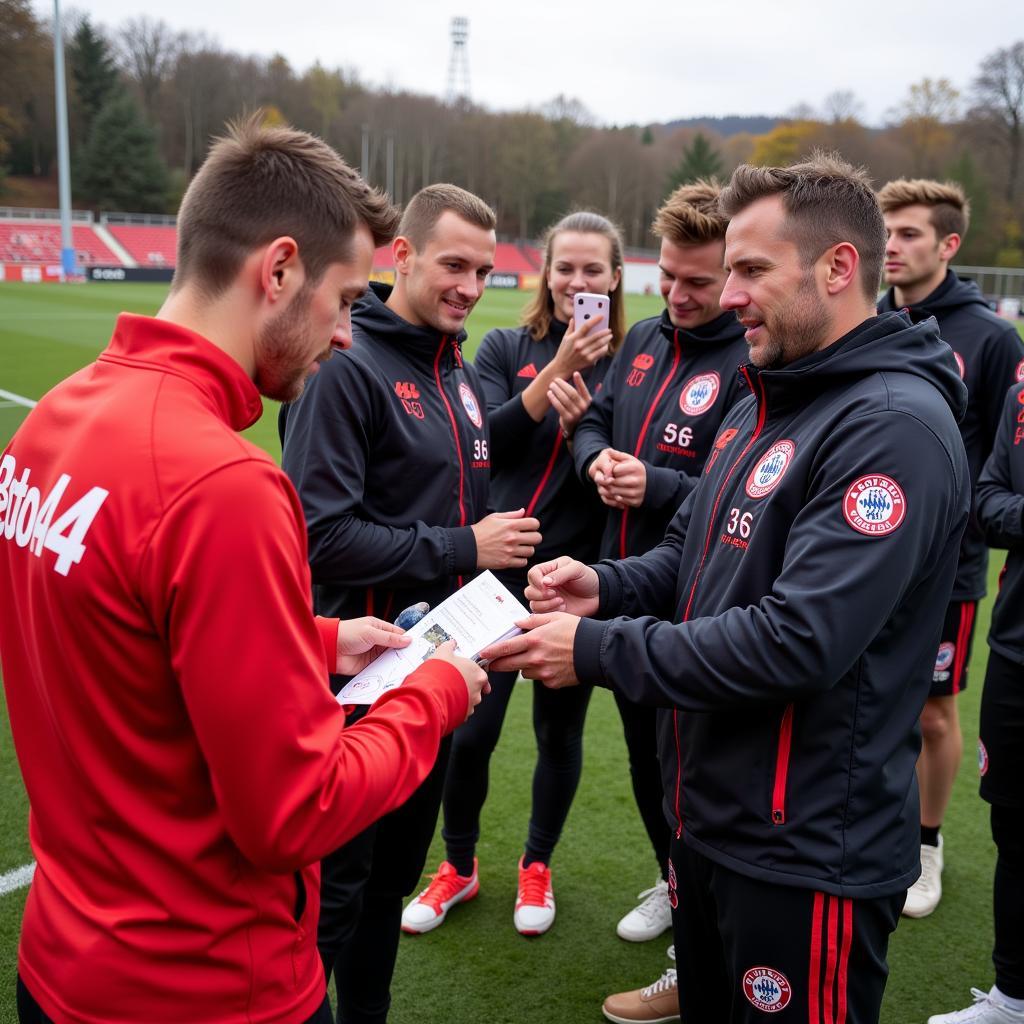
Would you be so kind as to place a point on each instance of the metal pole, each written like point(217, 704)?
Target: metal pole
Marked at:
point(67, 248)
point(390, 188)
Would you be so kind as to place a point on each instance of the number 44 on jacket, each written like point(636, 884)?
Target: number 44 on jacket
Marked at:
point(28, 519)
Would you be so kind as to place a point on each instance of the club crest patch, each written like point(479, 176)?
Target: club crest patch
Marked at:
point(960, 364)
point(875, 505)
point(1020, 371)
point(673, 886)
point(699, 393)
point(765, 476)
point(469, 403)
point(945, 657)
point(982, 759)
point(767, 990)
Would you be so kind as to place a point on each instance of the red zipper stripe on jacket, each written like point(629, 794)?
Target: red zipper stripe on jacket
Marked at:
point(759, 426)
point(646, 426)
point(455, 429)
point(814, 969)
point(844, 959)
point(782, 767)
point(547, 474)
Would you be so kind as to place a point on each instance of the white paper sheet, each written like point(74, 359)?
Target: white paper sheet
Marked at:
point(478, 615)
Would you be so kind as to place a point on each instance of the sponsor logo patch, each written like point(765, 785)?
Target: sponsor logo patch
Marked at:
point(945, 656)
point(469, 403)
point(643, 361)
point(699, 393)
point(765, 476)
point(409, 395)
point(982, 759)
point(529, 370)
point(960, 364)
point(767, 990)
point(874, 505)
point(673, 886)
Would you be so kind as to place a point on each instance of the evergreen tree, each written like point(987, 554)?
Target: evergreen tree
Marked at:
point(700, 160)
point(93, 72)
point(120, 167)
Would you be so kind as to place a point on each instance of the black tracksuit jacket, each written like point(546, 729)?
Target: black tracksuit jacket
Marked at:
point(665, 395)
point(531, 465)
point(387, 449)
point(790, 618)
point(988, 353)
point(1000, 507)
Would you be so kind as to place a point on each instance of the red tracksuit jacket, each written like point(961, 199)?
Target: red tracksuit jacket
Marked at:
point(167, 687)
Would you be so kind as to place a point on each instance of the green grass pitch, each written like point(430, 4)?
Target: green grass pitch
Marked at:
point(477, 968)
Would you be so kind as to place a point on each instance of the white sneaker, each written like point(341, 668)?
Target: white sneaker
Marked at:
point(651, 918)
point(428, 910)
point(986, 1010)
point(535, 901)
point(924, 895)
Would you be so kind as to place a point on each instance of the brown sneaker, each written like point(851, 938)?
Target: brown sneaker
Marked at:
point(655, 1004)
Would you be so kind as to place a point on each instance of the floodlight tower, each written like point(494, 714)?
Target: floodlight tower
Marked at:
point(458, 62)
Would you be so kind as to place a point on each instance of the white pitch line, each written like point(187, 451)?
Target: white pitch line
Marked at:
point(17, 879)
point(17, 399)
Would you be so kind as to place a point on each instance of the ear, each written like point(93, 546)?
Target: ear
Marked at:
point(401, 252)
point(949, 246)
point(842, 262)
point(616, 281)
point(281, 270)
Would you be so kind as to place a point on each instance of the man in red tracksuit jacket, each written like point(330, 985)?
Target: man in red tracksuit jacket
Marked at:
point(167, 682)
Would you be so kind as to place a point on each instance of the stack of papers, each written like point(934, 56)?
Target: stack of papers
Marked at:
point(480, 614)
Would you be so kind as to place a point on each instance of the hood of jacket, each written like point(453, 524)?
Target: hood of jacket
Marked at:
point(370, 314)
point(890, 342)
point(953, 293)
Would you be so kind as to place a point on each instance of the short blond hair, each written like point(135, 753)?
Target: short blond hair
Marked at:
point(950, 209)
point(691, 215)
point(424, 210)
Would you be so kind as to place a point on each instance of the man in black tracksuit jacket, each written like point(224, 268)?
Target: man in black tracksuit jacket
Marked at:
point(925, 222)
point(1000, 510)
point(664, 397)
point(388, 451)
point(788, 622)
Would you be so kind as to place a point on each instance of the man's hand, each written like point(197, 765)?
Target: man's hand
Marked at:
point(362, 640)
point(600, 469)
point(544, 652)
point(628, 480)
point(570, 401)
point(505, 540)
point(564, 585)
point(474, 676)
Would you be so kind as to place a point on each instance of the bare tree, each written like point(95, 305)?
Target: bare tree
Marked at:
point(842, 105)
point(146, 51)
point(999, 95)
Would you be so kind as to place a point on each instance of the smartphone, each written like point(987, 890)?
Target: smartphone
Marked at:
point(587, 306)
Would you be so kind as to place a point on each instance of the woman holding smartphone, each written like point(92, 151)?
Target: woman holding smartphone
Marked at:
point(538, 380)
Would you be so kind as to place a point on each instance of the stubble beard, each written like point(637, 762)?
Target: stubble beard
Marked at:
point(281, 364)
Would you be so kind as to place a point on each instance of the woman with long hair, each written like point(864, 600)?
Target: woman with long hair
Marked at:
point(538, 379)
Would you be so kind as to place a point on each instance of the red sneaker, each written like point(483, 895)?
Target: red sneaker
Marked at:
point(428, 910)
point(535, 902)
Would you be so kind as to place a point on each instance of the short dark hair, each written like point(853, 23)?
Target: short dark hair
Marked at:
point(260, 182)
point(950, 210)
point(691, 214)
point(424, 210)
point(827, 201)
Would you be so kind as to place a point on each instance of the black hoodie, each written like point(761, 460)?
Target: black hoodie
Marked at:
point(665, 395)
point(790, 618)
point(988, 352)
point(387, 449)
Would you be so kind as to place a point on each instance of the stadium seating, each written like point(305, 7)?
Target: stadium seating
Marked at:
point(148, 245)
point(39, 242)
point(508, 259)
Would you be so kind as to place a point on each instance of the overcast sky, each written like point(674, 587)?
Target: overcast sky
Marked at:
point(639, 61)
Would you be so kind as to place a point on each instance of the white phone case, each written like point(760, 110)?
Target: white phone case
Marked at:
point(587, 306)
